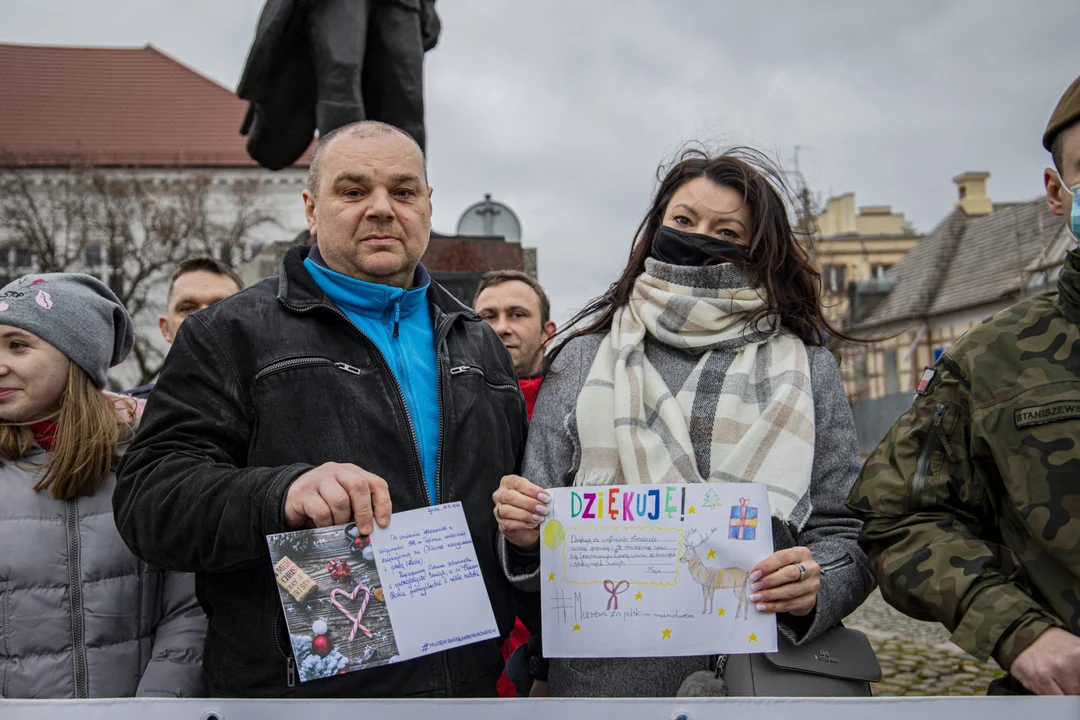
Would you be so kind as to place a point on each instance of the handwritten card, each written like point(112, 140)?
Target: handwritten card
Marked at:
point(353, 602)
point(434, 589)
point(654, 571)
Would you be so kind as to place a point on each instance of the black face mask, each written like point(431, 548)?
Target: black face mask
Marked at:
point(677, 247)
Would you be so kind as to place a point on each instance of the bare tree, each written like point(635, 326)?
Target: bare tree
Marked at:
point(127, 226)
point(806, 207)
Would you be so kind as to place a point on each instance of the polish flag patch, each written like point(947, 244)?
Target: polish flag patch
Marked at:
point(924, 382)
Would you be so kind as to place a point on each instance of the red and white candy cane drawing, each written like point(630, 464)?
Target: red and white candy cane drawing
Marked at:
point(363, 606)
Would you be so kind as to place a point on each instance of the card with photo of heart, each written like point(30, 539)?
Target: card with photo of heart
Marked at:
point(353, 602)
point(333, 600)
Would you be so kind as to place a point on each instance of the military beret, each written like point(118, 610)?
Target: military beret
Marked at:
point(1065, 114)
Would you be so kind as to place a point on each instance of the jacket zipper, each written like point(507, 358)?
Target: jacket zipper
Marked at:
point(78, 647)
point(837, 564)
point(290, 676)
point(303, 362)
point(401, 391)
point(929, 446)
point(443, 331)
point(461, 369)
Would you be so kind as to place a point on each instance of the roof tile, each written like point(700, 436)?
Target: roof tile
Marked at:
point(966, 261)
point(116, 107)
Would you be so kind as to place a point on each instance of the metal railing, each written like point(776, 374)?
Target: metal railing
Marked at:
point(922, 708)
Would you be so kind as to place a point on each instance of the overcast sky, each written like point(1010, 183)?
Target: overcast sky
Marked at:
point(564, 108)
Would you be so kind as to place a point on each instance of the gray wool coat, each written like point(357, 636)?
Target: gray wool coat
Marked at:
point(830, 532)
point(80, 616)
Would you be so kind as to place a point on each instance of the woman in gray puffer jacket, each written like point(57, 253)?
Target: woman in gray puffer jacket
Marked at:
point(703, 363)
point(80, 616)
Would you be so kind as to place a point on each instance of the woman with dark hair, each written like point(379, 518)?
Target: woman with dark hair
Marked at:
point(703, 362)
point(80, 616)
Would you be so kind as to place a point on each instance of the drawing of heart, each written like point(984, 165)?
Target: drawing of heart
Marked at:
point(359, 615)
point(4, 306)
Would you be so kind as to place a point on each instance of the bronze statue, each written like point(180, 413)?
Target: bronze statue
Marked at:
point(325, 63)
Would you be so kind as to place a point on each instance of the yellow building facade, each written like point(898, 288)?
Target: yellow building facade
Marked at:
point(851, 246)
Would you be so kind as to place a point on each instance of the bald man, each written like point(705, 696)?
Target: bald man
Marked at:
point(348, 387)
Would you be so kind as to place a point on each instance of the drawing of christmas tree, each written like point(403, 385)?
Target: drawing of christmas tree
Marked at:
point(712, 500)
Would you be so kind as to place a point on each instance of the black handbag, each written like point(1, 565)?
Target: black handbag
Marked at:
point(840, 663)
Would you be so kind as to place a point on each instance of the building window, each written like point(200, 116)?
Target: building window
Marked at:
point(834, 276)
point(892, 377)
point(877, 272)
point(94, 255)
point(862, 380)
point(15, 261)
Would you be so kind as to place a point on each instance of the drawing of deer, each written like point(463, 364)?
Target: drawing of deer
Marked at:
point(712, 579)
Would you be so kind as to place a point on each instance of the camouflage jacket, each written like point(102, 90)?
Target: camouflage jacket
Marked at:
point(971, 503)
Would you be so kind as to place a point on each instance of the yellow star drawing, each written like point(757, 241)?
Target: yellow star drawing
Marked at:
point(576, 628)
point(667, 634)
point(638, 596)
point(721, 612)
point(693, 510)
point(551, 577)
point(711, 555)
point(752, 638)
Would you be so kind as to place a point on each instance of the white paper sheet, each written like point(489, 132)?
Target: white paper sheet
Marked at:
point(434, 589)
point(654, 571)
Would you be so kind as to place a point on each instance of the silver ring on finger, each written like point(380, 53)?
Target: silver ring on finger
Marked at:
point(498, 511)
point(802, 571)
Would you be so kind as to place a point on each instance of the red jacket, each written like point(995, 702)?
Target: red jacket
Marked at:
point(529, 388)
point(518, 636)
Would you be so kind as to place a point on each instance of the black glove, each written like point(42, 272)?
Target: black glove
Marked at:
point(538, 664)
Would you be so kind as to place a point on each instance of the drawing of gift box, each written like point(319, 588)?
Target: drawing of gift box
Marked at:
point(743, 523)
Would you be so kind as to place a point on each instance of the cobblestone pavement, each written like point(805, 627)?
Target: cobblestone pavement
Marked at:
point(916, 657)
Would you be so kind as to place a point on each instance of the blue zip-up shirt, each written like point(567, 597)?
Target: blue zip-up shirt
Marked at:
point(376, 310)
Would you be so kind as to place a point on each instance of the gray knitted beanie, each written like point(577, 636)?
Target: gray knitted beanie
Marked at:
point(77, 314)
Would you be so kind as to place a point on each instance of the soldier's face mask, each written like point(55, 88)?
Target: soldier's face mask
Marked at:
point(1074, 218)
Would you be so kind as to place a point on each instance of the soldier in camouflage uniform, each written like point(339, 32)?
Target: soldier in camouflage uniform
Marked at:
point(971, 503)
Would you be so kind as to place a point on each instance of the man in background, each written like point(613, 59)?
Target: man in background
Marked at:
point(517, 308)
point(197, 283)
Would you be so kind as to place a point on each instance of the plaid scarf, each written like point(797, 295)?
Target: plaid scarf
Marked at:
point(633, 430)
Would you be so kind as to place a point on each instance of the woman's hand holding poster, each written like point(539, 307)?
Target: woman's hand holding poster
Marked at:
point(654, 570)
